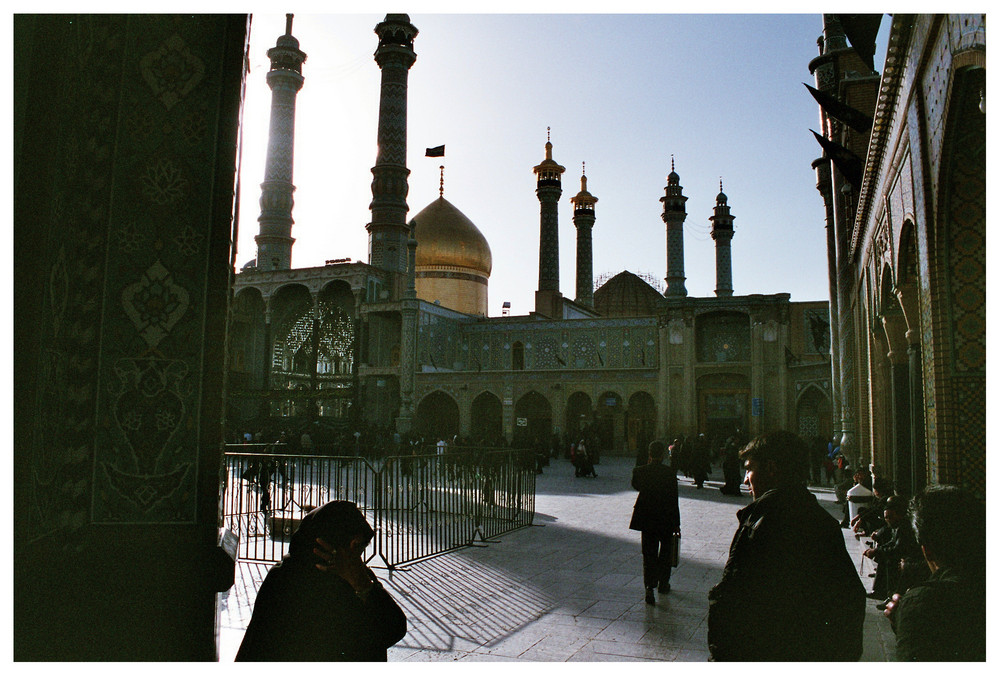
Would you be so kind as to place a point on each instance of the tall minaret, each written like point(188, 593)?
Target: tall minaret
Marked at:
point(548, 300)
point(274, 243)
point(722, 233)
point(674, 215)
point(388, 233)
point(583, 219)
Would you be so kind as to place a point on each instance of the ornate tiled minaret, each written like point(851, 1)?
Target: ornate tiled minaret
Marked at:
point(274, 243)
point(548, 300)
point(583, 219)
point(722, 233)
point(388, 232)
point(673, 215)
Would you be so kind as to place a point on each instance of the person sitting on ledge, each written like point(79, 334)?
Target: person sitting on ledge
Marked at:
point(944, 618)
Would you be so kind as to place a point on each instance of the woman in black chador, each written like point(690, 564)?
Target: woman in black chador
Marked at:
point(321, 602)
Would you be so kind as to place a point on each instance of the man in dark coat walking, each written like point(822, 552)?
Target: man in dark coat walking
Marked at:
point(789, 591)
point(657, 516)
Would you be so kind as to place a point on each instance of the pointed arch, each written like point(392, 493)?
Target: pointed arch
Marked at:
point(437, 417)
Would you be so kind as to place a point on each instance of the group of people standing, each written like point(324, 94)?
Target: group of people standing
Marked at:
point(694, 458)
point(789, 590)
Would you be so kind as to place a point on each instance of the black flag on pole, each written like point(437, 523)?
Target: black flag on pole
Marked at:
point(435, 152)
point(849, 164)
point(852, 117)
point(861, 31)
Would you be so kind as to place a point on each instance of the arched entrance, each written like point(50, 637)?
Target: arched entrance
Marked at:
point(723, 402)
point(248, 355)
point(579, 415)
point(437, 417)
point(610, 422)
point(335, 352)
point(487, 418)
point(290, 368)
point(813, 414)
point(640, 422)
point(532, 419)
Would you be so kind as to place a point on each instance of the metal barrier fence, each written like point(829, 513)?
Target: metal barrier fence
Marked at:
point(419, 505)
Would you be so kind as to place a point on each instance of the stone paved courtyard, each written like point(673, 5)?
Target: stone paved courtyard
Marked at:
point(568, 588)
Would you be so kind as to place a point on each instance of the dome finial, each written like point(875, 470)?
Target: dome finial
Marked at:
point(548, 143)
point(671, 162)
point(720, 184)
point(583, 178)
point(441, 184)
point(288, 24)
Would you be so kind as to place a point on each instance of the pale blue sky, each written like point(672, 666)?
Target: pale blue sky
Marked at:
point(722, 93)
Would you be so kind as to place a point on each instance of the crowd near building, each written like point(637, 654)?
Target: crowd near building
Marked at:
point(139, 350)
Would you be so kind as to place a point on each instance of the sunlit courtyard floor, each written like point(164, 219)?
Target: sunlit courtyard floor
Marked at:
point(568, 588)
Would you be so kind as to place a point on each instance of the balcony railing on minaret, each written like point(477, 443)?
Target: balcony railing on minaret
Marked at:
point(388, 231)
point(583, 220)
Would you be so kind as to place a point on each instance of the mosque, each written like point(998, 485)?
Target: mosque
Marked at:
point(405, 339)
point(126, 130)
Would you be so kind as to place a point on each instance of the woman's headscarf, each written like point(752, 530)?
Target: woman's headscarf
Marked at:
point(337, 522)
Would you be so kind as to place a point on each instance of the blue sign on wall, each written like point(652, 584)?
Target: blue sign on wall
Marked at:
point(756, 407)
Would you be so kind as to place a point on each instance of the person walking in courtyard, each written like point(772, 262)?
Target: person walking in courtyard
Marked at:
point(731, 467)
point(657, 517)
point(321, 602)
point(789, 590)
point(701, 463)
point(582, 461)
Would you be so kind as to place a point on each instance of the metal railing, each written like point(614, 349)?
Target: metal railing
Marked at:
point(419, 505)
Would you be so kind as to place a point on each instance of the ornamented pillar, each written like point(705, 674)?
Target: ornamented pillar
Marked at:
point(673, 216)
point(895, 331)
point(918, 457)
point(824, 185)
point(583, 219)
point(360, 336)
point(826, 70)
point(314, 358)
point(408, 342)
point(907, 295)
point(264, 411)
point(548, 190)
point(722, 233)
point(388, 231)
point(274, 243)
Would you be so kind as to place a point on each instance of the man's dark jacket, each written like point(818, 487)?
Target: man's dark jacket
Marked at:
point(900, 544)
point(943, 619)
point(789, 591)
point(656, 508)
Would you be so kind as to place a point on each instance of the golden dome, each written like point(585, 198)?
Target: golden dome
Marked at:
point(446, 237)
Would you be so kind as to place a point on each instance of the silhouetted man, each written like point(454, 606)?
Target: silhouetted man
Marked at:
point(789, 590)
point(944, 617)
point(657, 516)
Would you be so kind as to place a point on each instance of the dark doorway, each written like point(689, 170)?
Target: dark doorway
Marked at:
point(437, 417)
point(532, 419)
point(487, 418)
